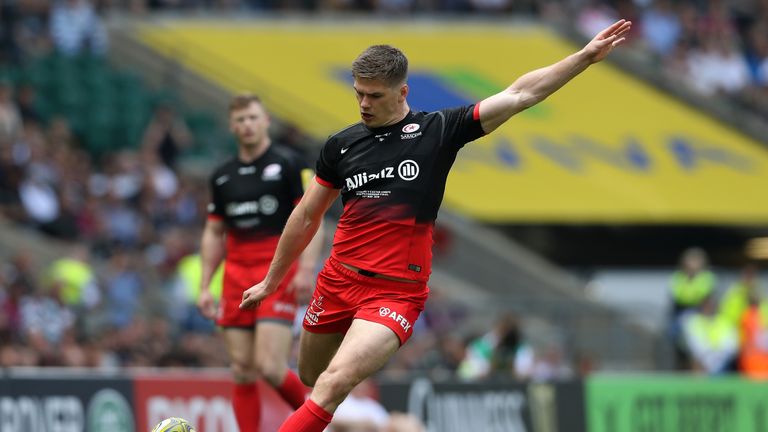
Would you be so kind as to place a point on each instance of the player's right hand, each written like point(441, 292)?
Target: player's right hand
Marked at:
point(253, 296)
point(207, 304)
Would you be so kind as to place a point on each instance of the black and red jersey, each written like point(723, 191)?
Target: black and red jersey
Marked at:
point(392, 181)
point(255, 199)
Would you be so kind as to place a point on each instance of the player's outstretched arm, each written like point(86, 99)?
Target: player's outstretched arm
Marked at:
point(537, 85)
point(299, 230)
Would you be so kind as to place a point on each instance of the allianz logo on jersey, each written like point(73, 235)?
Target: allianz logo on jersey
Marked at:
point(407, 170)
point(266, 205)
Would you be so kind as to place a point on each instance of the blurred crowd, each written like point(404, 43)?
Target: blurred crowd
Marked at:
point(123, 228)
point(715, 48)
point(716, 331)
point(110, 292)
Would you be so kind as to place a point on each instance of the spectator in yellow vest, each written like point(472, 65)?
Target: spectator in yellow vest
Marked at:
point(711, 338)
point(689, 286)
point(693, 282)
point(740, 295)
point(75, 278)
point(188, 278)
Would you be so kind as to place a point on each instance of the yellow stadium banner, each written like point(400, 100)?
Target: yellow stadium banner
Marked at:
point(605, 149)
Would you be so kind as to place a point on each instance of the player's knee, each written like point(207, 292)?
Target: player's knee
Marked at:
point(337, 383)
point(272, 370)
point(242, 371)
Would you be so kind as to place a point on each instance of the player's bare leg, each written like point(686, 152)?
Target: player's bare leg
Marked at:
point(366, 348)
point(245, 397)
point(273, 346)
point(239, 344)
point(315, 353)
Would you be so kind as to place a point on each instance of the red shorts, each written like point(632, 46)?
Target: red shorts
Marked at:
point(238, 277)
point(343, 295)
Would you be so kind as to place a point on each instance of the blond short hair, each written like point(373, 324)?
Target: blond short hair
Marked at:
point(243, 100)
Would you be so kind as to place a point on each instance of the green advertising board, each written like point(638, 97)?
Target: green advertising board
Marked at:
point(660, 403)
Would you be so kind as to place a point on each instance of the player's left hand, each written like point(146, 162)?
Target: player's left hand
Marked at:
point(253, 296)
point(608, 39)
point(302, 284)
point(207, 304)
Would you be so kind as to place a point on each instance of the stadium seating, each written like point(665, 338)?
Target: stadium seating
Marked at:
point(107, 108)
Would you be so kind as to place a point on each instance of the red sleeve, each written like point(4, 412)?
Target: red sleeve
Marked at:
point(325, 183)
